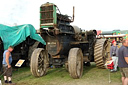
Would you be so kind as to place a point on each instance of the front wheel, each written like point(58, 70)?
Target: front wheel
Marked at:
point(39, 62)
point(75, 63)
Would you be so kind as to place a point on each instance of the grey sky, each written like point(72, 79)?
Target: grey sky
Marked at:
point(89, 14)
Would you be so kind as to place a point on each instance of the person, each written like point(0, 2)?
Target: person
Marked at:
point(123, 61)
point(114, 55)
point(7, 69)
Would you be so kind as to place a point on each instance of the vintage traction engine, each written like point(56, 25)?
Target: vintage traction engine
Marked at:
point(66, 44)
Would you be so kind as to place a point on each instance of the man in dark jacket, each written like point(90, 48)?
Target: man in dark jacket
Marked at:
point(123, 61)
point(114, 55)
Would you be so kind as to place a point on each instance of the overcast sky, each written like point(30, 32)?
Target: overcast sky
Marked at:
point(89, 14)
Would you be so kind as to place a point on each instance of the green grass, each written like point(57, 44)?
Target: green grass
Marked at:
point(59, 76)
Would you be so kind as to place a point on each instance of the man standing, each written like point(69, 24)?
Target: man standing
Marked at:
point(7, 60)
point(114, 55)
point(123, 61)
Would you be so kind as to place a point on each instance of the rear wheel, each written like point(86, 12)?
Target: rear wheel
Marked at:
point(101, 52)
point(39, 62)
point(75, 63)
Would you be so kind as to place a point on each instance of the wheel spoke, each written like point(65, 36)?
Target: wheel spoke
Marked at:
point(41, 60)
point(40, 66)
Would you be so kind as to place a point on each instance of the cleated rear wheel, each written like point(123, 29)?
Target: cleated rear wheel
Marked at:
point(101, 52)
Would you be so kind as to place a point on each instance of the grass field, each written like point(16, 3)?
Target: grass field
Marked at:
point(59, 76)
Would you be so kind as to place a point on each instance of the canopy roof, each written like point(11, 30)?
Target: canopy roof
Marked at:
point(12, 36)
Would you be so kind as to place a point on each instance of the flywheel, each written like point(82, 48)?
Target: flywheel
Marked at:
point(101, 52)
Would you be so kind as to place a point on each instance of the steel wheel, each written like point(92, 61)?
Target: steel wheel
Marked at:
point(75, 63)
point(39, 62)
point(101, 52)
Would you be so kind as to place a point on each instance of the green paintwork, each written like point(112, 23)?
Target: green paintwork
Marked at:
point(117, 32)
point(46, 26)
point(122, 32)
point(54, 16)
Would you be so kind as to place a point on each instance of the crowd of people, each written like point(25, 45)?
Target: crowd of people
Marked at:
point(120, 59)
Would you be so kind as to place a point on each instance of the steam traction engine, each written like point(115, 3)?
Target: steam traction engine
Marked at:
point(66, 44)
